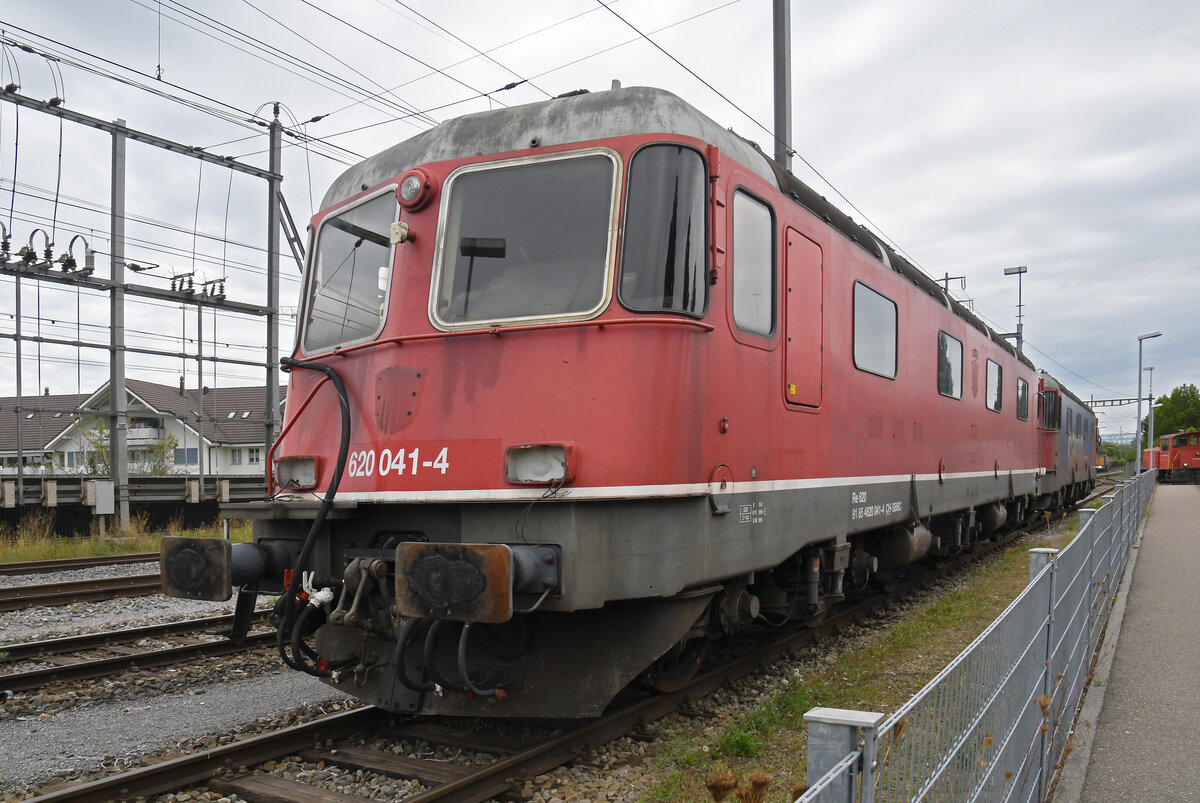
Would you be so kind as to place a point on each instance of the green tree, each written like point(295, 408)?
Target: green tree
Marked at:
point(156, 460)
point(1118, 453)
point(1180, 411)
point(93, 434)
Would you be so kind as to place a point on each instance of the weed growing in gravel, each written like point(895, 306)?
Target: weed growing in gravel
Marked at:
point(672, 787)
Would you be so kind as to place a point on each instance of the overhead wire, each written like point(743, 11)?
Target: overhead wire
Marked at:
point(390, 46)
point(159, 248)
point(276, 56)
point(238, 117)
point(490, 50)
point(53, 325)
point(307, 41)
point(82, 204)
point(472, 47)
point(221, 109)
point(301, 127)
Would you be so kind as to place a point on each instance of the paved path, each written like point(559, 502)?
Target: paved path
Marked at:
point(1147, 742)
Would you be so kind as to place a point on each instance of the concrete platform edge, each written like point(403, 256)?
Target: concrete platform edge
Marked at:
point(1070, 782)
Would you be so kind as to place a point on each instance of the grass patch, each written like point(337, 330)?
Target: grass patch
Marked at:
point(35, 538)
point(888, 667)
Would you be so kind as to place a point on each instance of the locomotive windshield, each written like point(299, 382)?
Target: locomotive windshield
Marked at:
point(525, 240)
point(663, 262)
point(350, 271)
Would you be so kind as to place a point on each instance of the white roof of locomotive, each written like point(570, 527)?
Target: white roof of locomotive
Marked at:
point(575, 118)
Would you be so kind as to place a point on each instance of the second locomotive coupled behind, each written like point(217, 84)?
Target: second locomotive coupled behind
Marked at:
point(582, 384)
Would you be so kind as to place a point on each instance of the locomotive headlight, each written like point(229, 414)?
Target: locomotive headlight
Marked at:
point(410, 188)
point(416, 188)
point(541, 463)
point(297, 473)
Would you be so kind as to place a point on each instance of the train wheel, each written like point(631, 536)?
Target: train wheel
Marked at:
point(678, 665)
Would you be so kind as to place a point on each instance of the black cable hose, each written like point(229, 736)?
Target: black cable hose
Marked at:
point(463, 638)
point(398, 659)
point(299, 647)
point(430, 665)
point(288, 620)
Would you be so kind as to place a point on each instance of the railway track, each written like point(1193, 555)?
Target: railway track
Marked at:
point(514, 761)
point(14, 598)
point(68, 661)
point(66, 564)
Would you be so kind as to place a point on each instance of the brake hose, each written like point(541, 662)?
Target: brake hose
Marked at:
point(288, 619)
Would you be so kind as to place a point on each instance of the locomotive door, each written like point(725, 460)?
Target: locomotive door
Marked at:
point(802, 350)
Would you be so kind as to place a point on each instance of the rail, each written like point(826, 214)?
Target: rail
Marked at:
point(68, 564)
point(20, 597)
point(994, 724)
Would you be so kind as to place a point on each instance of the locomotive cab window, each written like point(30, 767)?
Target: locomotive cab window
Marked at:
point(663, 262)
point(350, 270)
point(995, 386)
point(1022, 399)
point(874, 332)
point(1051, 411)
point(950, 352)
point(524, 240)
point(753, 265)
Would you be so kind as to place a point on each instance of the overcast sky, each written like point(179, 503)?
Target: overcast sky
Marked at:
point(974, 136)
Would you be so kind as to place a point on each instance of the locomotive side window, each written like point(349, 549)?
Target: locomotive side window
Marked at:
point(663, 264)
point(995, 386)
point(949, 366)
point(753, 265)
point(1022, 399)
point(524, 240)
point(1051, 410)
point(350, 269)
point(874, 332)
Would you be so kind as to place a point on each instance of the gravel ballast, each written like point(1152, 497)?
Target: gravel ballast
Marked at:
point(79, 730)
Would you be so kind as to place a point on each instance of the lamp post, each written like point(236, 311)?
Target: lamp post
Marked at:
point(1150, 439)
point(1137, 456)
point(1019, 270)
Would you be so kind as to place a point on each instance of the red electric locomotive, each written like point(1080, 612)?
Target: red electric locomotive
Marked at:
point(582, 384)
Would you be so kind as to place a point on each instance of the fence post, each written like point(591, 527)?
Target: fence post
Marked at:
point(1110, 519)
point(1120, 530)
point(1088, 523)
point(1038, 560)
point(833, 735)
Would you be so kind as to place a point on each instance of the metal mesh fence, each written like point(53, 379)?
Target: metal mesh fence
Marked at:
point(995, 724)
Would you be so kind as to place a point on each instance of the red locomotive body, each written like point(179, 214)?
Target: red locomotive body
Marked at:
point(581, 384)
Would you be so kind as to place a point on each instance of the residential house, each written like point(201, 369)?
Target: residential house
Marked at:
point(171, 430)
